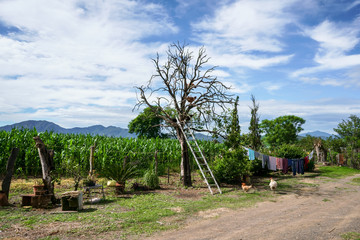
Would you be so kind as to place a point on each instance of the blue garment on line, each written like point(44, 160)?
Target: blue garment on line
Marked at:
point(251, 154)
point(301, 166)
point(294, 165)
point(265, 161)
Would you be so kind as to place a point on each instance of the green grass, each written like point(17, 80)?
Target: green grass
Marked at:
point(144, 214)
point(355, 181)
point(138, 215)
point(351, 236)
point(337, 172)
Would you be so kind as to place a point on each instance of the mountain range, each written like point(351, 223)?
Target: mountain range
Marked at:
point(43, 126)
point(111, 131)
point(319, 134)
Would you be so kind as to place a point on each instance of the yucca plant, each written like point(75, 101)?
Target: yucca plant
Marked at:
point(120, 173)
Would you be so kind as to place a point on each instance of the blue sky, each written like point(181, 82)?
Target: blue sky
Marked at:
point(76, 62)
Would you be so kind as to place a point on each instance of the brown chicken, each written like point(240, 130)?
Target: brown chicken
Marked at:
point(245, 188)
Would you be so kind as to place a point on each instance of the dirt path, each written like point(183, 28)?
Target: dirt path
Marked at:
point(323, 212)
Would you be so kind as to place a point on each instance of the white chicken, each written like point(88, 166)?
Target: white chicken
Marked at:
point(272, 184)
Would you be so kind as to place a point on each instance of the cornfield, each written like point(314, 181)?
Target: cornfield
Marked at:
point(72, 151)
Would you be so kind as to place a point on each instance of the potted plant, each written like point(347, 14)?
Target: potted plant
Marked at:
point(38, 187)
point(120, 173)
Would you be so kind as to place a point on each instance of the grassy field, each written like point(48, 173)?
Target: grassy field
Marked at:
point(136, 214)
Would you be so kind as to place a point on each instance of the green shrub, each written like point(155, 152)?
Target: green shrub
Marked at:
point(256, 168)
point(290, 151)
point(151, 179)
point(311, 166)
point(231, 166)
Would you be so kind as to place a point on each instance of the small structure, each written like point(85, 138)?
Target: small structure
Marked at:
point(72, 201)
point(93, 190)
point(36, 201)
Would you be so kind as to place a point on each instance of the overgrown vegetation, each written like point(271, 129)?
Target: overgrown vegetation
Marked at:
point(72, 152)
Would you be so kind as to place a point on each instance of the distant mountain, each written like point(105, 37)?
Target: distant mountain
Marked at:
point(320, 134)
point(42, 126)
point(111, 131)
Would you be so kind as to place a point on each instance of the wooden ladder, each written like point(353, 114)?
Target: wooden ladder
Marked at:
point(201, 161)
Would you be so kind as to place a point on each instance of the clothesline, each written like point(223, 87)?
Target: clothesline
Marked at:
point(276, 163)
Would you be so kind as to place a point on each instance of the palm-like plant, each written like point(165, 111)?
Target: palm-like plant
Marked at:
point(120, 172)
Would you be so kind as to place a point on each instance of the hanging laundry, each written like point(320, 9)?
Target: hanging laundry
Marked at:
point(272, 163)
point(311, 155)
point(285, 165)
point(265, 161)
point(306, 162)
point(289, 162)
point(257, 155)
point(251, 154)
point(294, 166)
point(301, 166)
point(279, 163)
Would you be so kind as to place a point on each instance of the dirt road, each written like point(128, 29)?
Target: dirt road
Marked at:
point(323, 212)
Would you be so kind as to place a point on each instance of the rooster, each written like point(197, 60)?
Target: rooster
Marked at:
point(272, 184)
point(245, 188)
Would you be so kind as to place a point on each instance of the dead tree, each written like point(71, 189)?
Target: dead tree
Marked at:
point(9, 171)
point(47, 165)
point(321, 151)
point(189, 90)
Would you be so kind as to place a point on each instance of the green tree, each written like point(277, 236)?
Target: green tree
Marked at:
point(232, 164)
point(282, 130)
point(349, 130)
point(147, 124)
point(254, 128)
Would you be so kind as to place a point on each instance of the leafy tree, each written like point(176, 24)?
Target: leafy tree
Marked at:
point(232, 164)
point(282, 130)
point(290, 151)
point(187, 87)
point(349, 130)
point(254, 128)
point(147, 124)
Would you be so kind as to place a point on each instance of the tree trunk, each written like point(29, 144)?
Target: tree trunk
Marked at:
point(185, 161)
point(47, 164)
point(9, 171)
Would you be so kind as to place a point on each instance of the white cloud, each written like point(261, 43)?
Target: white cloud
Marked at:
point(336, 40)
point(237, 30)
point(77, 53)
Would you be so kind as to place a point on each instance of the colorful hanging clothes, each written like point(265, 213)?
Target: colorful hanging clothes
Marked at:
point(294, 166)
point(311, 155)
point(306, 162)
point(301, 166)
point(251, 154)
point(279, 163)
point(272, 163)
point(285, 165)
point(257, 155)
point(265, 161)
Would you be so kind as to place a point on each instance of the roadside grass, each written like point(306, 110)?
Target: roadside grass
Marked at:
point(142, 214)
point(337, 172)
point(355, 181)
point(351, 236)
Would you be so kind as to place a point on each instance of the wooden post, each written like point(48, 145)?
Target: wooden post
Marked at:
point(92, 150)
point(47, 164)
point(156, 162)
point(9, 171)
